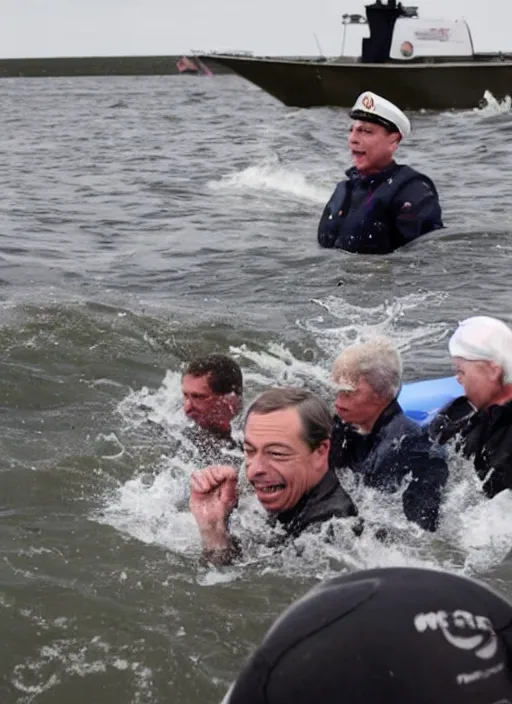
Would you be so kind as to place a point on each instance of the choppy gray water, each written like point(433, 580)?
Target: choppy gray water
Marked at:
point(145, 220)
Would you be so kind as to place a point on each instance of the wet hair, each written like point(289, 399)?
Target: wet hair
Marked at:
point(376, 361)
point(314, 412)
point(224, 374)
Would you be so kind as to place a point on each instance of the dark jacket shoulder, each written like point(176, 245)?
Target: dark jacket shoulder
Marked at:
point(380, 212)
point(326, 500)
point(395, 448)
point(451, 420)
point(485, 437)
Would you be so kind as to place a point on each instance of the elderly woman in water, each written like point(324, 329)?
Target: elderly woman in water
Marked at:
point(481, 348)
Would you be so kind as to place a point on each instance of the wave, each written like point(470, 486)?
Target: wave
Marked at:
point(270, 175)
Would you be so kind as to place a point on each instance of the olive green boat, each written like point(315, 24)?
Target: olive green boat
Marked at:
point(415, 63)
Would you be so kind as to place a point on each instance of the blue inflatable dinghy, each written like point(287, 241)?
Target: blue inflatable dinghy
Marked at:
point(421, 400)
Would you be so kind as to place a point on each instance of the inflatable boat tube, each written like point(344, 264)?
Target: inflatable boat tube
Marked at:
point(421, 400)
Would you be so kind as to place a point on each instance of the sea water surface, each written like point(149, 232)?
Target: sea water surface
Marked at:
point(147, 220)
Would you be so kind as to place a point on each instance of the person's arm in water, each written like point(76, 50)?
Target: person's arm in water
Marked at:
point(417, 210)
point(328, 227)
point(213, 496)
point(422, 498)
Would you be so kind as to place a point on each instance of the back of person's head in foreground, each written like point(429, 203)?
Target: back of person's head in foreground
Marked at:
point(385, 636)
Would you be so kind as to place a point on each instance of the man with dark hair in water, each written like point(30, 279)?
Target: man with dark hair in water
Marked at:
point(212, 388)
point(397, 635)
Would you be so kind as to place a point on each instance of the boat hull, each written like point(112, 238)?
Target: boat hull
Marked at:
point(413, 86)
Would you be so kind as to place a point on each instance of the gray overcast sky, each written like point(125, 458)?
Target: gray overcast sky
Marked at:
point(131, 27)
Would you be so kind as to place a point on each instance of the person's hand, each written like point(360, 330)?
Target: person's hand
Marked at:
point(213, 496)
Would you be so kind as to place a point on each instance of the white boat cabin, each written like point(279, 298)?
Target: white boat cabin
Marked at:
point(414, 38)
point(398, 34)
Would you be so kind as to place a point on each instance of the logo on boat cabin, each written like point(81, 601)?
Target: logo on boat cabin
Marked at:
point(368, 102)
point(406, 49)
point(433, 34)
point(461, 629)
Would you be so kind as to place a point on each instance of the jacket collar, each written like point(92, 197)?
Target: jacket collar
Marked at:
point(495, 415)
point(354, 176)
point(386, 416)
point(318, 493)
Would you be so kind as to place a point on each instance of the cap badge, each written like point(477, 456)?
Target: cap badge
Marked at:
point(368, 102)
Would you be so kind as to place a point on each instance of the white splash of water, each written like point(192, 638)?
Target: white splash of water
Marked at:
point(494, 107)
point(270, 175)
point(343, 324)
point(160, 406)
point(153, 508)
point(474, 533)
point(358, 324)
point(277, 366)
point(485, 534)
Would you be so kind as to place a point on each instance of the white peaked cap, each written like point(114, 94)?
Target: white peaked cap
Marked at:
point(371, 107)
point(482, 338)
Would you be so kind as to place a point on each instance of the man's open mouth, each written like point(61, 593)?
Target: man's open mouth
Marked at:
point(269, 488)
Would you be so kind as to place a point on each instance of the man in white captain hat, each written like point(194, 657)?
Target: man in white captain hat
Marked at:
point(382, 205)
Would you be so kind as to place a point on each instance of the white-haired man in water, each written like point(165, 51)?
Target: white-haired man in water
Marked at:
point(481, 349)
point(286, 447)
point(372, 436)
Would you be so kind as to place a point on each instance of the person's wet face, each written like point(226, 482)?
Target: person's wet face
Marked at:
point(372, 146)
point(481, 380)
point(359, 405)
point(280, 464)
point(208, 409)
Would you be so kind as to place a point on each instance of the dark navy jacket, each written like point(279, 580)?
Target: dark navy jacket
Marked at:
point(483, 436)
point(379, 213)
point(326, 500)
point(396, 447)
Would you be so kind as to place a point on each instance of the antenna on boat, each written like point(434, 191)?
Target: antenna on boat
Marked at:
point(347, 19)
point(318, 45)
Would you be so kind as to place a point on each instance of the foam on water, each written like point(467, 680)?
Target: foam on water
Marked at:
point(485, 533)
point(153, 508)
point(271, 175)
point(73, 658)
point(490, 107)
point(359, 323)
point(162, 406)
point(474, 533)
point(494, 107)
